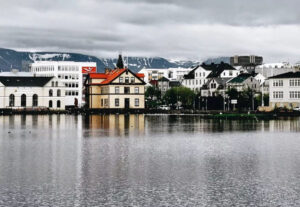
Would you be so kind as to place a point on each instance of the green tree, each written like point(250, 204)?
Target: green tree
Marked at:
point(153, 97)
point(232, 93)
point(180, 94)
point(120, 63)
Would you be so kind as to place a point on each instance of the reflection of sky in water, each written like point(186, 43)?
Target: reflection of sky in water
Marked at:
point(141, 160)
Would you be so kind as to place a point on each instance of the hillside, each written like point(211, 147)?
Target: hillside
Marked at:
point(15, 59)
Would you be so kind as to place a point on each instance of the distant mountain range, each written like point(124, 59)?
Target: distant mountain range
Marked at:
point(17, 60)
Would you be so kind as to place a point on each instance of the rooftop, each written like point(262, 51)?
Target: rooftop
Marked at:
point(287, 75)
point(111, 75)
point(240, 78)
point(24, 81)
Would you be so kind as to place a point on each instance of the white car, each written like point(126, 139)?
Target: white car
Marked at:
point(164, 107)
point(296, 109)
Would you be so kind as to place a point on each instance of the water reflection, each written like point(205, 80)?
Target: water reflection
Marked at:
point(143, 160)
point(115, 125)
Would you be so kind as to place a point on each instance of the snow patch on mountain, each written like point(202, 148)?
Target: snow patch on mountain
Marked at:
point(49, 56)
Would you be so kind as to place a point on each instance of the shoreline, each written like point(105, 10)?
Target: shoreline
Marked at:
point(222, 115)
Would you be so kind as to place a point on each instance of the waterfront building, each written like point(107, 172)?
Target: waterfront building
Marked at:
point(284, 90)
point(202, 74)
point(29, 92)
point(164, 84)
point(214, 86)
point(118, 88)
point(71, 74)
point(244, 81)
point(173, 74)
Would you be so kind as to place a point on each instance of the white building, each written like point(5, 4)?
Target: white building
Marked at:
point(201, 74)
point(31, 92)
point(273, 69)
point(285, 90)
point(173, 74)
point(70, 73)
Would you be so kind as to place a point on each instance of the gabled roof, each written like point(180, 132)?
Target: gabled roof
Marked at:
point(216, 70)
point(287, 75)
point(220, 81)
point(112, 75)
point(24, 81)
point(98, 75)
point(240, 78)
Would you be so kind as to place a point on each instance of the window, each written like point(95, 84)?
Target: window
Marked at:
point(56, 84)
point(213, 85)
point(277, 94)
point(11, 100)
point(102, 102)
point(117, 89)
point(23, 100)
point(105, 102)
point(126, 90)
point(58, 104)
point(50, 104)
point(35, 100)
point(278, 83)
point(132, 79)
point(52, 83)
point(136, 102)
point(136, 90)
point(230, 73)
point(121, 79)
point(50, 92)
point(58, 92)
point(126, 79)
point(117, 102)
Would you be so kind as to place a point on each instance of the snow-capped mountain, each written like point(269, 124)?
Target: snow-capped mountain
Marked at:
point(13, 59)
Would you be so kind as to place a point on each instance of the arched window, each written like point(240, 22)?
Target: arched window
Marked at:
point(35, 100)
point(58, 104)
point(23, 100)
point(58, 92)
point(52, 83)
point(50, 104)
point(11, 100)
point(50, 92)
point(56, 83)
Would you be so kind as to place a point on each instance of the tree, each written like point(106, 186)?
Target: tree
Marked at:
point(153, 96)
point(120, 63)
point(180, 94)
point(232, 93)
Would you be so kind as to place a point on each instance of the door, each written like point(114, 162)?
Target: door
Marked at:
point(126, 103)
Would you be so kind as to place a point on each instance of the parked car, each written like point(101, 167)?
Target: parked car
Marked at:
point(296, 109)
point(164, 107)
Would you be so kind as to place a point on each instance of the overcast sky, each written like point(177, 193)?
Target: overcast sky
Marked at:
point(178, 29)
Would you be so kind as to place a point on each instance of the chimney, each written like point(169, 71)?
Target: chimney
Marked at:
point(107, 70)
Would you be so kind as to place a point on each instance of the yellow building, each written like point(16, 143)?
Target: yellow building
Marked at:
point(115, 89)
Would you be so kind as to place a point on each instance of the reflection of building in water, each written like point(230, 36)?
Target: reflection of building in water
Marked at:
point(289, 124)
point(118, 124)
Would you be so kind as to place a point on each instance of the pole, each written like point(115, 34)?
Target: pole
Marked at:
point(262, 90)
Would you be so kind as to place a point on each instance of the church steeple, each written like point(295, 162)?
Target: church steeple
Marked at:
point(120, 63)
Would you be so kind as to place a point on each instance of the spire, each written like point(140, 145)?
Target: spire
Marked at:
point(120, 63)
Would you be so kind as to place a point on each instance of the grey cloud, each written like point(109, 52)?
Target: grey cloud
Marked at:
point(193, 29)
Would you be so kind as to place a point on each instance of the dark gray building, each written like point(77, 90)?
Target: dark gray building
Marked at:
point(246, 61)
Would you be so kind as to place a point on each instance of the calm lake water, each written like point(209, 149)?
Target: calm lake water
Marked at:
point(141, 160)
